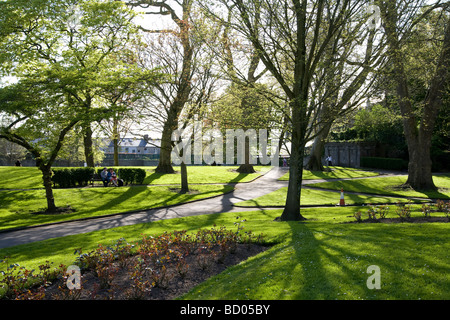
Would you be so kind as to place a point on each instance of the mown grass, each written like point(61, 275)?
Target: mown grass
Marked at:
point(317, 197)
point(324, 257)
point(21, 194)
point(334, 173)
point(321, 258)
point(17, 208)
point(390, 186)
point(31, 177)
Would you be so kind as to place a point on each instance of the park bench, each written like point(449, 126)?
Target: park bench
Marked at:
point(96, 178)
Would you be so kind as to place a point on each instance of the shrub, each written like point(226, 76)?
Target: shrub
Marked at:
point(358, 215)
point(72, 177)
point(132, 175)
point(426, 210)
point(403, 211)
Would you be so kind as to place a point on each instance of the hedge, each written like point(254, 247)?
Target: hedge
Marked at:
point(384, 163)
point(73, 177)
point(129, 175)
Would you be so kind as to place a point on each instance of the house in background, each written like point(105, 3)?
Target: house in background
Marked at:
point(133, 151)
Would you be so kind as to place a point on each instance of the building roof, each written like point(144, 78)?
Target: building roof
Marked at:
point(136, 142)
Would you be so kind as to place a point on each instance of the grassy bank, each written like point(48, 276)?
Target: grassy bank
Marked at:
point(323, 258)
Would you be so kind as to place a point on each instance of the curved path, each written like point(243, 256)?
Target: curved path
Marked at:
point(262, 185)
point(223, 203)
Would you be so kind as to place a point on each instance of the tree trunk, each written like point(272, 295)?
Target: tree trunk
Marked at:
point(116, 142)
point(418, 137)
point(184, 178)
point(419, 166)
point(88, 146)
point(47, 179)
point(165, 156)
point(315, 160)
point(246, 167)
point(291, 210)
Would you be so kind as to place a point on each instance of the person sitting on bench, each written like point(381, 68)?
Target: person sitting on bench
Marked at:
point(112, 177)
point(104, 176)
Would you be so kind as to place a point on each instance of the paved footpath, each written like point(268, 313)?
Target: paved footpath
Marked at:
point(264, 184)
point(243, 191)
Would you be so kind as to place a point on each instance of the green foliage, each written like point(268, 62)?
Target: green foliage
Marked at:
point(16, 280)
point(403, 211)
point(374, 211)
point(72, 177)
point(132, 175)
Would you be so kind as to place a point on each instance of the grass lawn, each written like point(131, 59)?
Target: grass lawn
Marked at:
point(205, 174)
point(16, 207)
point(316, 197)
point(31, 177)
point(390, 186)
point(322, 258)
point(335, 173)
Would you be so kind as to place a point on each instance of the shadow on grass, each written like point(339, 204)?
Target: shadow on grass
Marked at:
point(332, 263)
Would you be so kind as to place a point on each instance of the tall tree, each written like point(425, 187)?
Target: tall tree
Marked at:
point(342, 83)
point(39, 120)
point(291, 40)
point(181, 84)
point(399, 20)
point(63, 69)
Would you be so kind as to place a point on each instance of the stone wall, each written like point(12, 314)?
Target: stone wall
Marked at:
point(348, 154)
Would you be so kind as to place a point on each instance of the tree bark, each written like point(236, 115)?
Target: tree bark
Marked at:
point(291, 210)
point(88, 146)
point(165, 156)
point(47, 180)
point(318, 147)
point(246, 167)
point(418, 132)
point(184, 178)
point(116, 138)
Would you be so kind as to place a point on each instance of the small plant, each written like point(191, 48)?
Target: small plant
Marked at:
point(403, 211)
point(140, 286)
point(372, 213)
point(443, 206)
point(106, 274)
point(383, 211)
point(358, 216)
point(182, 268)
point(15, 279)
point(440, 205)
point(426, 210)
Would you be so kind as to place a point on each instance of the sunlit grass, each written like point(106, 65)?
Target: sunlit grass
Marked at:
point(321, 258)
point(17, 207)
point(334, 173)
point(317, 197)
point(31, 177)
point(390, 186)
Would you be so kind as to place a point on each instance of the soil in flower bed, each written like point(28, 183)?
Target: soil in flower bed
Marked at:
point(156, 268)
point(172, 280)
